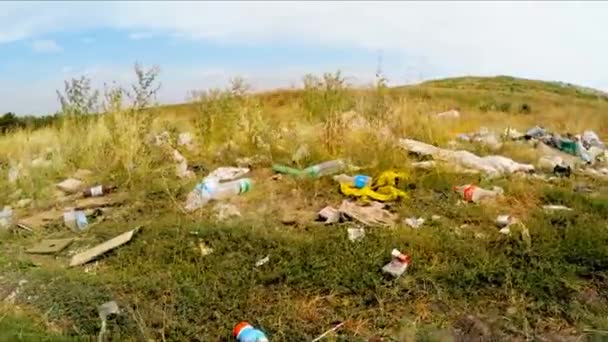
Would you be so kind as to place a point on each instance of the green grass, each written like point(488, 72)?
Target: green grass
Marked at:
point(462, 266)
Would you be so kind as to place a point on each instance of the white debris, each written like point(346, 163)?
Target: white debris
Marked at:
point(329, 214)
point(70, 185)
point(262, 261)
point(492, 166)
point(205, 250)
point(13, 173)
point(162, 139)
point(13, 295)
point(226, 211)
point(453, 114)
point(355, 234)
point(186, 139)
point(181, 167)
point(227, 173)
point(553, 207)
point(414, 222)
point(6, 217)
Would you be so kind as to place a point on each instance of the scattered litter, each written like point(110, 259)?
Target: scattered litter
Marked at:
point(581, 188)
point(13, 295)
point(210, 189)
point(42, 218)
point(588, 147)
point(6, 217)
point(383, 188)
point(424, 165)
point(507, 222)
point(244, 332)
point(552, 207)
point(329, 215)
point(82, 174)
point(513, 134)
point(70, 186)
point(355, 234)
point(357, 181)
point(205, 250)
point(475, 194)
point(302, 153)
point(435, 218)
point(162, 139)
point(484, 137)
point(227, 173)
point(13, 173)
point(535, 132)
point(262, 261)
point(105, 310)
point(452, 113)
point(75, 220)
point(601, 173)
point(185, 139)
point(92, 253)
point(226, 211)
point(99, 190)
point(371, 215)
point(315, 171)
point(24, 227)
point(398, 264)
point(320, 337)
point(504, 220)
point(414, 222)
point(493, 166)
point(50, 246)
point(181, 166)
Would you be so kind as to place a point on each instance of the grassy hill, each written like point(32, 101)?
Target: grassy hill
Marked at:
point(467, 281)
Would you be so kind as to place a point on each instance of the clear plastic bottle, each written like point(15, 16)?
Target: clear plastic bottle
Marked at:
point(325, 168)
point(358, 181)
point(211, 189)
point(244, 332)
point(6, 217)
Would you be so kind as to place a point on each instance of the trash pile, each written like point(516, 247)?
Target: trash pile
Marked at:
point(484, 137)
point(491, 166)
point(587, 146)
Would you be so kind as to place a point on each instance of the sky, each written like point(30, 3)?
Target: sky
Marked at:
point(201, 45)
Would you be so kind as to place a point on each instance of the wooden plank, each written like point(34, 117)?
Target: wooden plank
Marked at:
point(92, 253)
point(50, 246)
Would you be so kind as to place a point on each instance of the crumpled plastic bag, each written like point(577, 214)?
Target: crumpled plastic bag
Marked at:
point(383, 188)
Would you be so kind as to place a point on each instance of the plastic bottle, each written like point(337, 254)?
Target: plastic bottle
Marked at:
point(358, 181)
point(97, 191)
point(244, 332)
point(325, 168)
point(475, 194)
point(75, 220)
point(6, 217)
point(211, 189)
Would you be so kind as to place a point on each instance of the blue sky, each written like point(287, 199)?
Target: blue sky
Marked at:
point(273, 44)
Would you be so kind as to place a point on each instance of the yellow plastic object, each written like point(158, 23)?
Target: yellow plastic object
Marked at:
point(383, 188)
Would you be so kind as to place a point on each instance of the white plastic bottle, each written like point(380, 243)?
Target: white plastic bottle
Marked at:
point(211, 189)
point(325, 168)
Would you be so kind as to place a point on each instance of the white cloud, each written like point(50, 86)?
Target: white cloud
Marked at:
point(46, 46)
point(140, 35)
point(547, 40)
